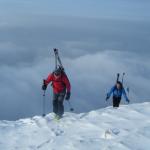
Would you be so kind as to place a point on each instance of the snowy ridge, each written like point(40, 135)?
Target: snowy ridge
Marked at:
point(126, 128)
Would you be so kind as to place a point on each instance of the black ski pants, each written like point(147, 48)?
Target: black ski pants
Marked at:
point(116, 101)
point(58, 99)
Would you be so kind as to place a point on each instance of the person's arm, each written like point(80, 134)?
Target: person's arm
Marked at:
point(68, 87)
point(67, 83)
point(110, 92)
point(48, 80)
point(125, 95)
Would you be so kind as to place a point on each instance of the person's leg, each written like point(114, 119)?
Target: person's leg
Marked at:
point(118, 102)
point(60, 104)
point(55, 103)
point(114, 101)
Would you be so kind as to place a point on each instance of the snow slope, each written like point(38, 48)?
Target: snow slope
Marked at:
point(126, 128)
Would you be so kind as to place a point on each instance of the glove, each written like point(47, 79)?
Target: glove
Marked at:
point(107, 98)
point(128, 100)
point(44, 86)
point(68, 96)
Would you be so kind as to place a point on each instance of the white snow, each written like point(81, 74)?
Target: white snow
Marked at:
point(125, 128)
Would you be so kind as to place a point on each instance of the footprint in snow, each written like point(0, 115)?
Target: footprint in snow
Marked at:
point(110, 133)
point(57, 132)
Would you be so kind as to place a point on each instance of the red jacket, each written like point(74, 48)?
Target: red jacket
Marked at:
point(59, 84)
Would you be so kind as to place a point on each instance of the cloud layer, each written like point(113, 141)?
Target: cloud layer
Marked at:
point(28, 41)
point(91, 76)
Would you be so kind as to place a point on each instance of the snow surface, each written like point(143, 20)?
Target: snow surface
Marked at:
point(126, 128)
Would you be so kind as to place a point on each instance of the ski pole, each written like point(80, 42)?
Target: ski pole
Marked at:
point(44, 104)
point(71, 108)
point(128, 90)
point(123, 78)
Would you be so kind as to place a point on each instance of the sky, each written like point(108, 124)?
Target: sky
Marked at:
point(96, 39)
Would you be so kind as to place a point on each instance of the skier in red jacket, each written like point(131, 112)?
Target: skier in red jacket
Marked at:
point(61, 90)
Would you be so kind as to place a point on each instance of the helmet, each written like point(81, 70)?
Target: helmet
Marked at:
point(58, 71)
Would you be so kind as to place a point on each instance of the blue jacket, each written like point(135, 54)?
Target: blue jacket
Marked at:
point(117, 93)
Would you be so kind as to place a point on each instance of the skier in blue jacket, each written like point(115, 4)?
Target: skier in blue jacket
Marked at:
point(117, 90)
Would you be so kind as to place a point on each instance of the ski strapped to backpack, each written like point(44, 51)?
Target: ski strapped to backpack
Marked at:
point(123, 78)
point(118, 76)
point(58, 60)
point(127, 89)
